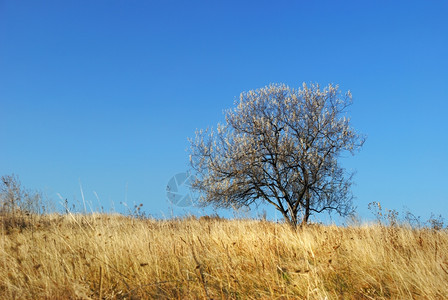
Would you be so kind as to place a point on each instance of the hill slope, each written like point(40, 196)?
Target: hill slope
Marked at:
point(116, 257)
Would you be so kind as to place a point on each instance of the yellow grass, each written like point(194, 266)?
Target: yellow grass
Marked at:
point(117, 257)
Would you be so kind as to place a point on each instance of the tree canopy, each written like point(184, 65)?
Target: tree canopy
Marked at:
point(281, 146)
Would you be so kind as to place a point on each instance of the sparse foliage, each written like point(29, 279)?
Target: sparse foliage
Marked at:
point(281, 146)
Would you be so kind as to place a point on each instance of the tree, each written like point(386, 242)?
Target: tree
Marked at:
point(281, 146)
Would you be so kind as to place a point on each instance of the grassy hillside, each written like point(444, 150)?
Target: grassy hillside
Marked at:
point(116, 257)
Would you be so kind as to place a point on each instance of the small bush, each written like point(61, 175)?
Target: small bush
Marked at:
point(19, 207)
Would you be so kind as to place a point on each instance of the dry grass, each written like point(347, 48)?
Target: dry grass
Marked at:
point(117, 257)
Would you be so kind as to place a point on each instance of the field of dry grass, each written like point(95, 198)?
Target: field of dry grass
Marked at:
point(116, 257)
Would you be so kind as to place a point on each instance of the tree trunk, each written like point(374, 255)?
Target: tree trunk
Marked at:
point(306, 216)
point(291, 219)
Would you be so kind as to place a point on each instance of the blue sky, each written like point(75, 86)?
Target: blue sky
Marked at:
point(106, 93)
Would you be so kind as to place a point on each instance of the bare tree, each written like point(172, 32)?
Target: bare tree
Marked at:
point(281, 146)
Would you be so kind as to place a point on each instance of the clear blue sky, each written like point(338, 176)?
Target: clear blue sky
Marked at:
point(106, 93)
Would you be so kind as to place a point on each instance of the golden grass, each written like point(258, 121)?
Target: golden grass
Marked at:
point(116, 257)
